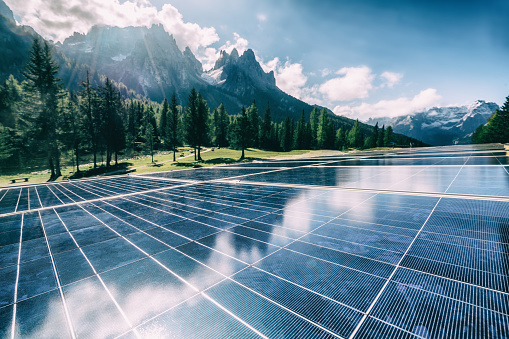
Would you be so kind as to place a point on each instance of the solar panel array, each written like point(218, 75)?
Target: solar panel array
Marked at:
point(395, 244)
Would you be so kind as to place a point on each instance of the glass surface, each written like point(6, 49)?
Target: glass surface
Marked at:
point(416, 239)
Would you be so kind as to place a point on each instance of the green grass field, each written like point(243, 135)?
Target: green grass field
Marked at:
point(163, 161)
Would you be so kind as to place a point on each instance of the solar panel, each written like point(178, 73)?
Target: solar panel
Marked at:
point(406, 244)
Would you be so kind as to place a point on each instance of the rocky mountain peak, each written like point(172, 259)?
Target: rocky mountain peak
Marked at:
point(193, 62)
point(6, 11)
point(234, 55)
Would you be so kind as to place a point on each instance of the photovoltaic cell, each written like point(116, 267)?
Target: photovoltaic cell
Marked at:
point(389, 244)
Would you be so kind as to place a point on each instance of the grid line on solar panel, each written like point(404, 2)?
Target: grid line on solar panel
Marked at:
point(380, 293)
point(374, 328)
point(98, 276)
point(191, 258)
point(485, 245)
point(438, 315)
point(459, 273)
point(471, 294)
point(66, 310)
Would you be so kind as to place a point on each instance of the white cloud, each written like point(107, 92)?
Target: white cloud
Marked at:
point(209, 55)
point(391, 108)
point(353, 83)
point(238, 43)
point(58, 19)
point(291, 79)
point(261, 17)
point(390, 79)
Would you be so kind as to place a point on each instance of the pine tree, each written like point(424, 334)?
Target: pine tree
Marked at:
point(388, 135)
point(172, 126)
point(109, 105)
point(202, 124)
point(340, 139)
point(240, 139)
point(40, 72)
point(325, 132)
point(299, 141)
point(73, 127)
point(266, 129)
point(374, 137)
point(190, 118)
point(254, 125)
point(381, 134)
point(149, 138)
point(314, 121)
point(220, 126)
point(163, 122)
point(286, 134)
point(355, 136)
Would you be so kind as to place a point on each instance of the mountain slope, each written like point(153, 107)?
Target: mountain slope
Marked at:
point(442, 125)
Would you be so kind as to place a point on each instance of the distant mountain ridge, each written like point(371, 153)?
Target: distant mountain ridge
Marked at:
point(442, 125)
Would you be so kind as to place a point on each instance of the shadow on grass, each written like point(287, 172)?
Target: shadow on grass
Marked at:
point(187, 164)
point(121, 168)
point(217, 161)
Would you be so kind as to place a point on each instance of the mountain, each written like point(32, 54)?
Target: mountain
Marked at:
point(442, 125)
point(15, 41)
point(148, 61)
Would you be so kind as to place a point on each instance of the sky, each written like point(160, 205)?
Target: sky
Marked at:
point(363, 58)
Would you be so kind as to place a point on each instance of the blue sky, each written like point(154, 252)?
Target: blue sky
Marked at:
point(360, 58)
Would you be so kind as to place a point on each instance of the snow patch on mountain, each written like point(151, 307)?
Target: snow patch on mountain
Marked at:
point(213, 77)
point(119, 57)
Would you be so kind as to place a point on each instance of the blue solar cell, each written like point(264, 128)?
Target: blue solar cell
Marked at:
point(112, 253)
point(267, 317)
point(8, 278)
point(36, 277)
point(323, 311)
point(42, 316)
point(72, 266)
point(345, 285)
point(304, 262)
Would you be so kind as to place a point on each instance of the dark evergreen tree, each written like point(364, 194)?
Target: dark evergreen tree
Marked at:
point(266, 129)
point(149, 136)
point(374, 137)
point(220, 127)
point(340, 139)
point(40, 72)
point(73, 127)
point(109, 105)
point(202, 124)
point(314, 122)
point(163, 122)
point(172, 127)
point(381, 134)
point(240, 139)
point(286, 134)
point(190, 118)
point(354, 136)
point(254, 125)
point(388, 135)
point(300, 140)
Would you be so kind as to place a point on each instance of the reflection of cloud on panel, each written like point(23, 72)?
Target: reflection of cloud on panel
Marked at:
point(295, 220)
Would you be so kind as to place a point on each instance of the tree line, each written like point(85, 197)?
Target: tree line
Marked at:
point(496, 129)
point(40, 121)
